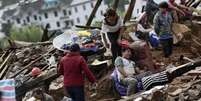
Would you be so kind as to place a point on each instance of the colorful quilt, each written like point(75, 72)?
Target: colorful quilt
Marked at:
point(7, 88)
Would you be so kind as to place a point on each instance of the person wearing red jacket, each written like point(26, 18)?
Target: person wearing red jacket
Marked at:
point(73, 67)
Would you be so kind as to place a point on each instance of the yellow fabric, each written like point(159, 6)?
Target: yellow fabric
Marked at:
point(83, 33)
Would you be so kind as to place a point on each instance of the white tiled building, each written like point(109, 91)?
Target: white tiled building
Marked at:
point(80, 11)
point(57, 15)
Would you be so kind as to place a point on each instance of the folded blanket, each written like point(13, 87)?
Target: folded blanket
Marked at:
point(7, 88)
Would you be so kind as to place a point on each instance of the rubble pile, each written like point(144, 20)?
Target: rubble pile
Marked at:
point(195, 38)
point(184, 88)
point(18, 63)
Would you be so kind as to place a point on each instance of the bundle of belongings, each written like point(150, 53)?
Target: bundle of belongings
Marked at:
point(89, 40)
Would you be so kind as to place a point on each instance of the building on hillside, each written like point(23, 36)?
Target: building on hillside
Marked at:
point(56, 14)
point(80, 10)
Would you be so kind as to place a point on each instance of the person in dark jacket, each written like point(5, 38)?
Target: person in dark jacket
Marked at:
point(73, 67)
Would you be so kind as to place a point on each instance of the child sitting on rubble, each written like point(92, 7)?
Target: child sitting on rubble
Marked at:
point(126, 69)
point(142, 54)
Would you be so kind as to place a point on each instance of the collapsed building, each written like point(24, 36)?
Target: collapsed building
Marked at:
point(18, 62)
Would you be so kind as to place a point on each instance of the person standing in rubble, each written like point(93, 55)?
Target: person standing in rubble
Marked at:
point(112, 26)
point(73, 66)
point(163, 27)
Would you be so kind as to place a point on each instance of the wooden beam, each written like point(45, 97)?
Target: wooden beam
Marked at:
point(8, 71)
point(195, 5)
point(5, 61)
point(3, 72)
point(190, 3)
point(187, 2)
point(87, 27)
point(115, 4)
point(180, 70)
point(27, 44)
point(93, 13)
point(129, 11)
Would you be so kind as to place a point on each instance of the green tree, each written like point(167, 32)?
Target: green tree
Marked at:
point(28, 33)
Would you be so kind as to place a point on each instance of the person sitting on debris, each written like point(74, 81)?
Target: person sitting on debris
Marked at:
point(142, 54)
point(125, 70)
point(163, 27)
point(72, 66)
point(39, 95)
point(111, 28)
point(133, 78)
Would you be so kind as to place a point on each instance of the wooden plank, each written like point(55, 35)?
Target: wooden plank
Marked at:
point(198, 43)
point(129, 11)
point(194, 73)
point(5, 61)
point(115, 4)
point(180, 70)
point(8, 71)
point(27, 44)
point(3, 72)
point(190, 3)
point(87, 27)
point(3, 55)
point(93, 13)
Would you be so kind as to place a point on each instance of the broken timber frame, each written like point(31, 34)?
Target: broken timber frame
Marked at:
point(93, 13)
point(28, 66)
point(115, 4)
point(129, 11)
